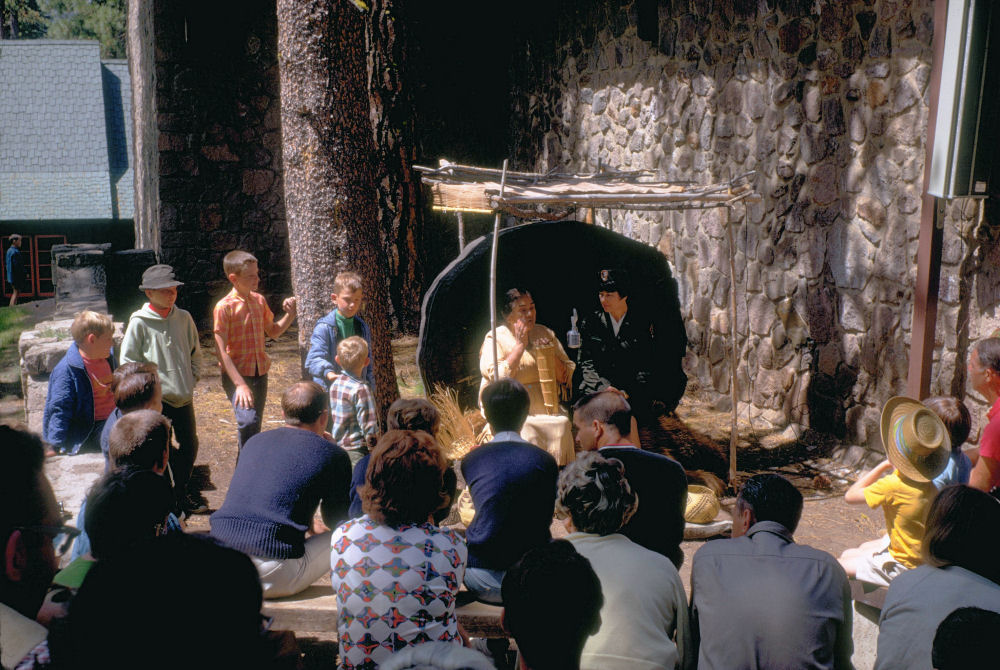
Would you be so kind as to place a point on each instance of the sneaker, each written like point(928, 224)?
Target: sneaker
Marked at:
point(194, 505)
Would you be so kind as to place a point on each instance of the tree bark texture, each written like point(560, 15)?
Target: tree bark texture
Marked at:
point(392, 118)
point(329, 169)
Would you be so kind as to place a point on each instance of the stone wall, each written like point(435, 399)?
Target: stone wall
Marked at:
point(215, 107)
point(827, 102)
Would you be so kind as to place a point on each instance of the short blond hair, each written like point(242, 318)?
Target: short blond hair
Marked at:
point(351, 352)
point(236, 261)
point(349, 281)
point(90, 323)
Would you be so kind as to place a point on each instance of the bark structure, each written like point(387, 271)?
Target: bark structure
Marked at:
point(329, 169)
point(392, 118)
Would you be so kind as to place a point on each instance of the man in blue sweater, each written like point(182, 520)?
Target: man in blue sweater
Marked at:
point(281, 477)
point(513, 487)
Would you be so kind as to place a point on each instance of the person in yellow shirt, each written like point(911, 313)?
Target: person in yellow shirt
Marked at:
point(917, 446)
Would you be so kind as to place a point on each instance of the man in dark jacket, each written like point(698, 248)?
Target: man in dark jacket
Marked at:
point(513, 487)
point(624, 349)
point(602, 422)
point(281, 477)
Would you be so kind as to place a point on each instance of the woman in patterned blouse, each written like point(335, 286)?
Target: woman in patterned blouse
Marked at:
point(395, 573)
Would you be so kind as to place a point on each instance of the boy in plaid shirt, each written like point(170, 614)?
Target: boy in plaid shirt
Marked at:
point(242, 320)
point(351, 402)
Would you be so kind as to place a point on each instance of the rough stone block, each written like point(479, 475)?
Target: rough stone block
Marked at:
point(41, 359)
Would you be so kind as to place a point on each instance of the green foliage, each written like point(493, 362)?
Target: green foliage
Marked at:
point(101, 20)
point(31, 24)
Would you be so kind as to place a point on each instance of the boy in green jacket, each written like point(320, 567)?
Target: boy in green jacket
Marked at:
point(165, 334)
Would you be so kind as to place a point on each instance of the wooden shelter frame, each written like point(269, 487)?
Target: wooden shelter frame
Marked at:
point(531, 195)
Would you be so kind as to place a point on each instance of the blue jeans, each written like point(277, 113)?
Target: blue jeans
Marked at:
point(247, 420)
point(485, 584)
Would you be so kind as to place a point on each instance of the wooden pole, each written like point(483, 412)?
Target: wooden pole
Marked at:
point(493, 275)
point(925, 295)
point(733, 354)
point(461, 232)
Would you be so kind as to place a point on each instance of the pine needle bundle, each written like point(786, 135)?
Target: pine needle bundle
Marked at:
point(456, 434)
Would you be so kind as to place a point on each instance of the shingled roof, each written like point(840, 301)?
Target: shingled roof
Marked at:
point(65, 133)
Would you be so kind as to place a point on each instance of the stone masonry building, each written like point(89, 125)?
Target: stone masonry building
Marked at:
point(827, 101)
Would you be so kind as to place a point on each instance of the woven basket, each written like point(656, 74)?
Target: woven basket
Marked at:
point(702, 505)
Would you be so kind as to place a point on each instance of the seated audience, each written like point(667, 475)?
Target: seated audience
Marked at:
point(403, 414)
point(139, 440)
point(395, 573)
point(960, 570)
point(29, 527)
point(513, 488)
point(134, 386)
point(437, 656)
point(645, 611)
point(918, 447)
point(964, 640)
point(281, 477)
point(552, 603)
point(956, 418)
point(179, 601)
point(759, 600)
point(79, 398)
point(603, 421)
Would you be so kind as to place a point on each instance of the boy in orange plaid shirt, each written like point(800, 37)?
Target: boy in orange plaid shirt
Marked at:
point(242, 320)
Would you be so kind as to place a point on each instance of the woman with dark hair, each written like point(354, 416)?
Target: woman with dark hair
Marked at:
point(533, 355)
point(645, 611)
point(960, 569)
point(395, 573)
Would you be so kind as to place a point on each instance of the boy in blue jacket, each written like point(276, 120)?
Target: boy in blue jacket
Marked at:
point(79, 399)
point(341, 323)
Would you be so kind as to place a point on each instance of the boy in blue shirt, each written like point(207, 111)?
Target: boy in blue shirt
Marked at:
point(343, 322)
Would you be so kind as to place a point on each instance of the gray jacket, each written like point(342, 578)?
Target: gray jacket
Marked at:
point(762, 601)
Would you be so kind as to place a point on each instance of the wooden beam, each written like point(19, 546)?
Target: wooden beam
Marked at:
point(925, 295)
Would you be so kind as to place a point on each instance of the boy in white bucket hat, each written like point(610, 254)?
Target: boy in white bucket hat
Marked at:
point(918, 446)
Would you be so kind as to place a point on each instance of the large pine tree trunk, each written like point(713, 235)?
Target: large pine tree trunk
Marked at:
point(329, 161)
point(392, 116)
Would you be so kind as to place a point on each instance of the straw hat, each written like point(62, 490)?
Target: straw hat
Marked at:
point(702, 505)
point(916, 441)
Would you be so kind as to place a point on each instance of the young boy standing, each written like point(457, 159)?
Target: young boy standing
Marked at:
point(242, 320)
point(351, 401)
point(343, 322)
point(79, 399)
point(165, 334)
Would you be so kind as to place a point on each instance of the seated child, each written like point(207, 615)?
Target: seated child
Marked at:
point(918, 445)
point(134, 386)
point(140, 439)
point(352, 405)
point(79, 398)
point(343, 322)
point(958, 421)
point(242, 320)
